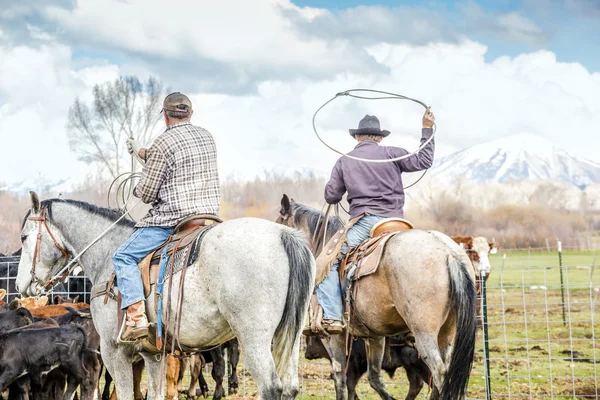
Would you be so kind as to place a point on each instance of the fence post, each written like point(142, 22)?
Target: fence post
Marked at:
point(562, 284)
point(548, 245)
point(486, 350)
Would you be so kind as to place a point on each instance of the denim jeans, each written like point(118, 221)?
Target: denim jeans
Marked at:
point(126, 260)
point(329, 292)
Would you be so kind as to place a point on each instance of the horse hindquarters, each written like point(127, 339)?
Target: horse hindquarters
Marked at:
point(428, 292)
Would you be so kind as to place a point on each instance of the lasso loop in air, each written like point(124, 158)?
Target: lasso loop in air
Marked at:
point(387, 96)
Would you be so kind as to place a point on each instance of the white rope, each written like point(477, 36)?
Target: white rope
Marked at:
point(389, 96)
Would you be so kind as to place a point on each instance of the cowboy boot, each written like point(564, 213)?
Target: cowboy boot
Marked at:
point(136, 325)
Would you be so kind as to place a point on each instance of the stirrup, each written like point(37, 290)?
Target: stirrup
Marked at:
point(138, 340)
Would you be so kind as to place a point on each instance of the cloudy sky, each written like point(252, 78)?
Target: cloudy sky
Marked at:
point(257, 70)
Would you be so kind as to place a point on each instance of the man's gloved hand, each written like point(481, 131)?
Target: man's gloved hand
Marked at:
point(134, 147)
point(428, 118)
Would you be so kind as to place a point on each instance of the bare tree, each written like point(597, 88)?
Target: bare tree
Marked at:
point(125, 107)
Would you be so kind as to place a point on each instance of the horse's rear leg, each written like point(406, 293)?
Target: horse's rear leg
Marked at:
point(427, 346)
point(260, 364)
point(375, 350)
point(336, 347)
point(291, 385)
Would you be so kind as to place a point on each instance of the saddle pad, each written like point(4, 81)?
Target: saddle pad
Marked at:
point(179, 258)
point(369, 264)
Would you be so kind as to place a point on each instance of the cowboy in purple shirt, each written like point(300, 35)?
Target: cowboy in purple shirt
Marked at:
point(375, 191)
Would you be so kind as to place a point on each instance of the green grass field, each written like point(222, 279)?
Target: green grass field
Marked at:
point(532, 353)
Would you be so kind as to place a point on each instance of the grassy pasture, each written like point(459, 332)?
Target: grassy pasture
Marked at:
point(532, 353)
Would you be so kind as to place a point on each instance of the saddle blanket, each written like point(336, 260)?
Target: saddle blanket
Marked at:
point(172, 264)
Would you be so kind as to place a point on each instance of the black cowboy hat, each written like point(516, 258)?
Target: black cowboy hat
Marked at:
point(369, 125)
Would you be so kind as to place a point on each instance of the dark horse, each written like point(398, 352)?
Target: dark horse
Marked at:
point(425, 284)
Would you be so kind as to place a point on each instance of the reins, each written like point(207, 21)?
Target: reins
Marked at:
point(64, 272)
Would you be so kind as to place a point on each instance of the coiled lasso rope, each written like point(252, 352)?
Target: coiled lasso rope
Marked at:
point(387, 96)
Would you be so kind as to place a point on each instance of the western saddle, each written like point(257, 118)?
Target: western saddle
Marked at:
point(367, 255)
point(185, 235)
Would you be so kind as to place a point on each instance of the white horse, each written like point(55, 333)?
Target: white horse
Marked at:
point(252, 280)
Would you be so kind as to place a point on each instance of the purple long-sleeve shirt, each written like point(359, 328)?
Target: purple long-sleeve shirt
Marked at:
point(376, 188)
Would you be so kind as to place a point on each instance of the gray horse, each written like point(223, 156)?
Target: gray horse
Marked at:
point(425, 285)
point(252, 280)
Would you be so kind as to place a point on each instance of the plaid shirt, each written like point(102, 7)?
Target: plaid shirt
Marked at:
point(180, 177)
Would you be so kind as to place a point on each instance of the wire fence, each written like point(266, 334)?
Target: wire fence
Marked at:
point(539, 336)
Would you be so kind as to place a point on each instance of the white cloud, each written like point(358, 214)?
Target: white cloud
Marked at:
point(254, 35)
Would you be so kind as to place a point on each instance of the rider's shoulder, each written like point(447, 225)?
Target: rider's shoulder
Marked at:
point(395, 151)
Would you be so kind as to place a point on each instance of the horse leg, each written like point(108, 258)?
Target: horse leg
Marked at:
point(291, 384)
point(427, 346)
point(375, 349)
point(153, 376)
point(260, 363)
point(118, 364)
point(415, 381)
point(218, 372)
point(336, 347)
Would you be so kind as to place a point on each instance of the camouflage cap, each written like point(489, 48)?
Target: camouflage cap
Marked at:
point(177, 102)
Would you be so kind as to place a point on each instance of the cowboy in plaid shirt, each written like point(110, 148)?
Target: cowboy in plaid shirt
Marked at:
point(179, 179)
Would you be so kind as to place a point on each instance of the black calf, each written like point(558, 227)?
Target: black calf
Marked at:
point(39, 351)
point(397, 355)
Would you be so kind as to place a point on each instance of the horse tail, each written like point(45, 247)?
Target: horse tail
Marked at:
point(462, 297)
point(300, 286)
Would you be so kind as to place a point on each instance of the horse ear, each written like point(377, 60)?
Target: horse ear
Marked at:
point(57, 299)
point(2, 293)
point(35, 202)
point(76, 299)
point(286, 206)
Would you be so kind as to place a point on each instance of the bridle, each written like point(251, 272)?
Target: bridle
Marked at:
point(42, 222)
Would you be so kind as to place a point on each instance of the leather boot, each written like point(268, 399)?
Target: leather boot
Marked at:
point(136, 325)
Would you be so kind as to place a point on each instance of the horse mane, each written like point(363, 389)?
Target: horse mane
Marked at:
point(109, 213)
point(313, 220)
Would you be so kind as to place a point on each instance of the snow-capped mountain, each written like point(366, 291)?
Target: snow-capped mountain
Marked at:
point(40, 185)
point(518, 157)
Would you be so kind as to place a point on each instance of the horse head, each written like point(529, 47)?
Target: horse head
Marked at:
point(42, 249)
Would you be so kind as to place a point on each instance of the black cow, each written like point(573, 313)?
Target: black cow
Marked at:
point(39, 351)
point(397, 354)
point(92, 360)
point(14, 318)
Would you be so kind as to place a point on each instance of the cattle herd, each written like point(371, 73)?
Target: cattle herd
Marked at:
point(51, 351)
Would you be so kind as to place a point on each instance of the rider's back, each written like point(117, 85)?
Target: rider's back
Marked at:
point(374, 188)
point(191, 180)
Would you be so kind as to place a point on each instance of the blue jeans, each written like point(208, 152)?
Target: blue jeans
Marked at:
point(329, 292)
point(126, 260)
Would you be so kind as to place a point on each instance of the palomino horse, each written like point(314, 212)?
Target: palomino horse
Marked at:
point(425, 285)
point(252, 280)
